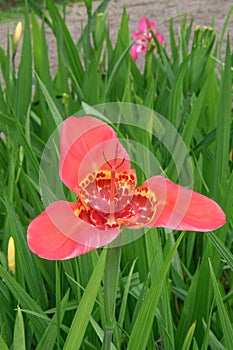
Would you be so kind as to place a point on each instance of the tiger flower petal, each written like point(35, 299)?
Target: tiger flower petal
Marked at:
point(95, 166)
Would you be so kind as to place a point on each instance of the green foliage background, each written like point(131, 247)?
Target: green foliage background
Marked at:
point(153, 293)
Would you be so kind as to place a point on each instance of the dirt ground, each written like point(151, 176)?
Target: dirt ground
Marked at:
point(203, 12)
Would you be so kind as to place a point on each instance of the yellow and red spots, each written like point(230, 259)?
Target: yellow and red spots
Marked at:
point(110, 199)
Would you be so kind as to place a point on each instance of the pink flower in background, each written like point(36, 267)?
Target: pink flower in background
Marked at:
point(144, 38)
point(95, 166)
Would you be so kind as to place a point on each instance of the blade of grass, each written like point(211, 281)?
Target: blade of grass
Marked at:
point(65, 42)
point(125, 296)
point(99, 331)
point(58, 302)
point(18, 135)
point(26, 302)
point(83, 313)
point(3, 345)
point(189, 337)
point(57, 117)
point(222, 145)
point(214, 343)
point(19, 333)
point(111, 275)
point(224, 30)
point(100, 9)
point(156, 255)
point(222, 249)
point(143, 323)
point(50, 335)
point(176, 94)
point(224, 318)
point(119, 57)
point(25, 260)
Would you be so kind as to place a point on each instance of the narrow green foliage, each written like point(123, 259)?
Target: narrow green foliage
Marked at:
point(51, 103)
point(117, 74)
point(25, 262)
point(65, 43)
point(3, 344)
point(222, 249)
point(189, 337)
point(26, 302)
point(125, 296)
point(142, 325)
point(50, 335)
point(222, 145)
point(155, 291)
point(82, 315)
point(110, 291)
point(19, 332)
point(224, 319)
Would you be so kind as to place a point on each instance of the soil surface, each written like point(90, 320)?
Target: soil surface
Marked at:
point(203, 11)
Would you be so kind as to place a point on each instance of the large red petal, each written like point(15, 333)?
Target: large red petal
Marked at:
point(58, 234)
point(182, 209)
point(85, 145)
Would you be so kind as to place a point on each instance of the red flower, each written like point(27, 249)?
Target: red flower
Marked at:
point(144, 38)
point(95, 166)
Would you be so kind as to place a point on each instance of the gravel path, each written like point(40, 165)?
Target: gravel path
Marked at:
point(203, 12)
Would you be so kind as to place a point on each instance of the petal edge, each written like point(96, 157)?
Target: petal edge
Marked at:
point(57, 234)
point(183, 209)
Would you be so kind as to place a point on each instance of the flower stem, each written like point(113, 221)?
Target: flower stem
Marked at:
point(107, 339)
point(111, 275)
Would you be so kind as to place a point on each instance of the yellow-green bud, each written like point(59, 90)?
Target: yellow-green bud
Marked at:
point(18, 32)
point(11, 255)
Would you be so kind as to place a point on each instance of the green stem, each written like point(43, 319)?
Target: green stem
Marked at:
point(111, 275)
point(107, 339)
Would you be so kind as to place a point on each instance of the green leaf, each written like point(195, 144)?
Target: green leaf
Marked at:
point(40, 51)
point(144, 321)
point(224, 318)
point(189, 337)
point(3, 345)
point(222, 145)
point(19, 333)
point(26, 302)
point(222, 38)
point(176, 94)
point(99, 331)
point(222, 249)
point(49, 337)
point(118, 65)
point(110, 283)
point(155, 257)
point(100, 9)
point(25, 260)
point(66, 46)
point(111, 275)
point(125, 296)
point(57, 117)
point(82, 316)
point(17, 134)
point(214, 343)
point(191, 122)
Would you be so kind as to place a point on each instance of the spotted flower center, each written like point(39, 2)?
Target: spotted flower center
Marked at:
point(110, 199)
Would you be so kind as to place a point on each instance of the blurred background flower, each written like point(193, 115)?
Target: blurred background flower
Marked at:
point(144, 38)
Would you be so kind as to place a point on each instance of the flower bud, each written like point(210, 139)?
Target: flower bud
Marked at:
point(18, 32)
point(11, 255)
